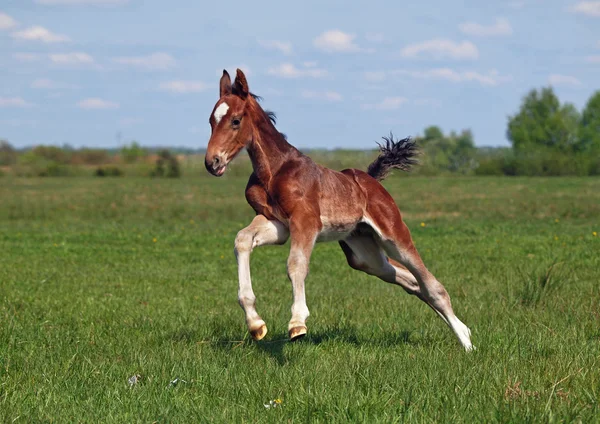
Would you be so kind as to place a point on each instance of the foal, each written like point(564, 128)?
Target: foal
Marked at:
point(294, 197)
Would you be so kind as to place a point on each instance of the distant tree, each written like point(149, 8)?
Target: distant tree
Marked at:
point(133, 152)
point(462, 155)
point(432, 133)
point(589, 130)
point(8, 155)
point(454, 153)
point(568, 127)
point(542, 122)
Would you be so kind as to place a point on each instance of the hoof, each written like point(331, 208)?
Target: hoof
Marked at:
point(259, 332)
point(297, 333)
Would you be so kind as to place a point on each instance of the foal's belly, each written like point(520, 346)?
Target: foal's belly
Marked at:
point(334, 230)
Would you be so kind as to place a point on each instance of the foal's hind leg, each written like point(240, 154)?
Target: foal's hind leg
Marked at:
point(364, 254)
point(397, 243)
point(260, 232)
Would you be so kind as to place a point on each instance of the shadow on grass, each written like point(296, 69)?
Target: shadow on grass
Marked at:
point(345, 335)
point(274, 346)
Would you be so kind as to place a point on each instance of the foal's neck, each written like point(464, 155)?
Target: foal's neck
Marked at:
point(268, 149)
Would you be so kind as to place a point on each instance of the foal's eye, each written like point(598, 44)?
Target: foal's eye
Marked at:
point(235, 122)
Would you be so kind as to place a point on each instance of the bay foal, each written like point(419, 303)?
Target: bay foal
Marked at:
point(295, 197)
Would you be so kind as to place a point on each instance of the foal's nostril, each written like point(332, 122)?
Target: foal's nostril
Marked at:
point(216, 161)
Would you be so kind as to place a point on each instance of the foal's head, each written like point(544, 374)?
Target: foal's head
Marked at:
point(230, 123)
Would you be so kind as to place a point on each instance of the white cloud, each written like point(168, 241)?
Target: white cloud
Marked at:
point(287, 70)
point(589, 8)
point(154, 61)
point(77, 2)
point(38, 33)
point(27, 57)
point(284, 47)
point(557, 79)
point(13, 102)
point(74, 58)
point(331, 96)
point(593, 59)
point(336, 41)
point(7, 22)
point(310, 64)
point(182, 87)
point(389, 103)
point(500, 28)
point(440, 48)
point(491, 78)
point(47, 84)
point(96, 103)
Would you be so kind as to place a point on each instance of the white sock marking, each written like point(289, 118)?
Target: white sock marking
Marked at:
point(220, 112)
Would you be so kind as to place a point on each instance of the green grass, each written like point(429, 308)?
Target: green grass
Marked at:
point(102, 279)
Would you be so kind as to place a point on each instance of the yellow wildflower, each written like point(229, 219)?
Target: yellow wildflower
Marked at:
point(594, 233)
point(422, 224)
point(154, 240)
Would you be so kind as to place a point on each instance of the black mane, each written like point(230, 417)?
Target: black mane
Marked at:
point(270, 114)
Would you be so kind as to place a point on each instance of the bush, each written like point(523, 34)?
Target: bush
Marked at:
point(8, 155)
point(490, 166)
point(54, 169)
point(30, 164)
point(52, 154)
point(166, 165)
point(539, 162)
point(108, 171)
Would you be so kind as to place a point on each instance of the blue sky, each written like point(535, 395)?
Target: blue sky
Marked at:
point(339, 74)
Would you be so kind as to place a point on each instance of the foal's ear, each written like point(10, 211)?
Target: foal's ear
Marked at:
point(240, 83)
point(225, 84)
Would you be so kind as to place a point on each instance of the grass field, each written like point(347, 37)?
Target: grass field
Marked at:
point(103, 279)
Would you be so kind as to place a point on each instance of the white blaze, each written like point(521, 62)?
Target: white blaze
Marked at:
point(220, 112)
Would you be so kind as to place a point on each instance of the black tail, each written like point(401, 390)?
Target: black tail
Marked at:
point(400, 154)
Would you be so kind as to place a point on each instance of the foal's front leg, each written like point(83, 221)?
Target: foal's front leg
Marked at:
point(303, 231)
point(259, 233)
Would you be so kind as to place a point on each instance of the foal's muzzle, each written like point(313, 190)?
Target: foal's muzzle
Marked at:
point(216, 167)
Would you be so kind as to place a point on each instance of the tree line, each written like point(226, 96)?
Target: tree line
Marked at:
point(547, 138)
